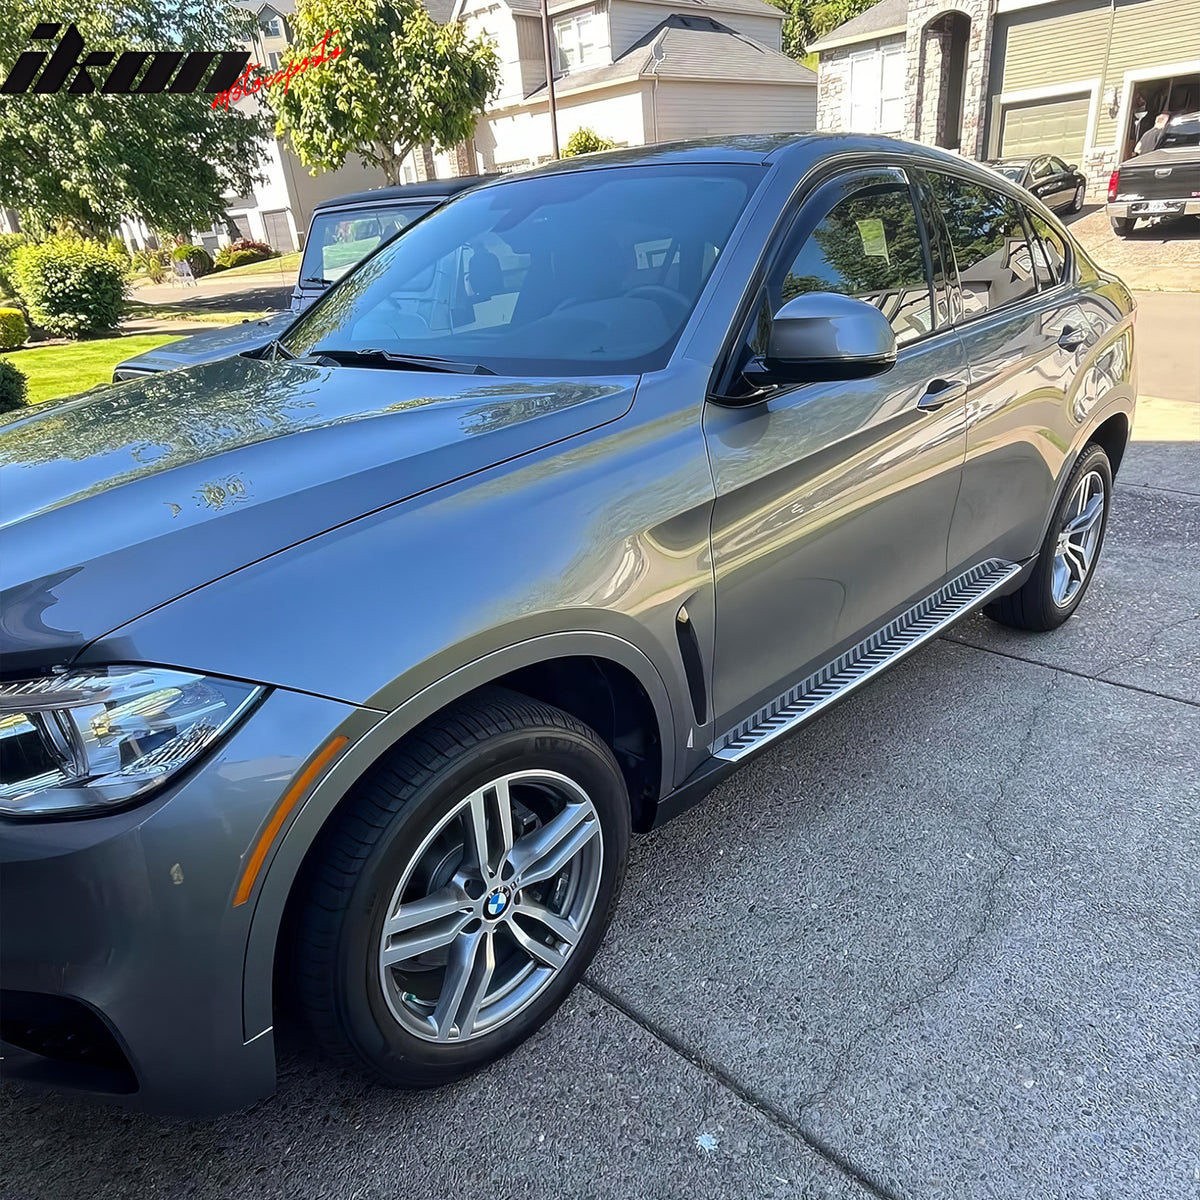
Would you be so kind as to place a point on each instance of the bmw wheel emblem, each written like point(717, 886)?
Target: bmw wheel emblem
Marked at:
point(495, 904)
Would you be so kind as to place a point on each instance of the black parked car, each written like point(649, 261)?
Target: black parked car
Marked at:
point(1058, 185)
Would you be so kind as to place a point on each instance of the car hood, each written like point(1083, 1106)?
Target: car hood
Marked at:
point(127, 497)
point(210, 346)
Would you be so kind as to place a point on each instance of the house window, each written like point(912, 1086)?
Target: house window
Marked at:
point(877, 91)
point(271, 26)
point(274, 59)
point(580, 39)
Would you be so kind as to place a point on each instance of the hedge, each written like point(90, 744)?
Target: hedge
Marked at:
point(13, 387)
point(14, 329)
point(70, 287)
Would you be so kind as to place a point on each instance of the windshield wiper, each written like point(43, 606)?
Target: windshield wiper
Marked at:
point(401, 362)
point(317, 279)
point(275, 350)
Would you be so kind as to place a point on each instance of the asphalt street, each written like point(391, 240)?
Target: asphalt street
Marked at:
point(943, 943)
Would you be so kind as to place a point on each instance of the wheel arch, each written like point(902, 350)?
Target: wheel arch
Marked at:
point(602, 679)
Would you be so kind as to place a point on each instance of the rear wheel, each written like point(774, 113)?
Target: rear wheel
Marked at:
point(1064, 568)
point(1121, 226)
point(462, 891)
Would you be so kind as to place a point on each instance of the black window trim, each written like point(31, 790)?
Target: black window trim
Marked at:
point(835, 173)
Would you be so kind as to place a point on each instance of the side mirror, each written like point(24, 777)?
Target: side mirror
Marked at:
point(823, 336)
point(1073, 167)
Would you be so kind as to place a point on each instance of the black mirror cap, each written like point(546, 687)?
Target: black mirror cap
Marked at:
point(824, 335)
point(1073, 167)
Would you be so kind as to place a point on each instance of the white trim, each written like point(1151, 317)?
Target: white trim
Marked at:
point(1136, 76)
point(832, 43)
point(1006, 6)
point(1088, 87)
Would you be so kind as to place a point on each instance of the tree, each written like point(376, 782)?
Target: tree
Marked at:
point(401, 80)
point(807, 20)
point(86, 161)
point(585, 141)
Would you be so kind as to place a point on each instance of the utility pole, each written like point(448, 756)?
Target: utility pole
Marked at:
point(550, 75)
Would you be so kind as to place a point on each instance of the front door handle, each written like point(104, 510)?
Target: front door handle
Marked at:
point(941, 392)
point(1071, 338)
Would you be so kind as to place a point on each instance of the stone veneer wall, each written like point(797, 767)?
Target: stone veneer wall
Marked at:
point(929, 72)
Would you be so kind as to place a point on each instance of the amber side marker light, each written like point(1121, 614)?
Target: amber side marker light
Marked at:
point(283, 810)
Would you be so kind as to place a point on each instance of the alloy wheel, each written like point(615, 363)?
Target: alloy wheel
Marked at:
point(1078, 202)
point(1078, 539)
point(491, 906)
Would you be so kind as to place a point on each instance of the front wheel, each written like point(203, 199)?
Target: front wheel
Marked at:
point(1064, 568)
point(1077, 202)
point(1121, 226)
point(462, 891)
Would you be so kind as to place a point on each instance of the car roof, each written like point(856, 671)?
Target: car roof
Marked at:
point(1013, 162)
point(439, 188)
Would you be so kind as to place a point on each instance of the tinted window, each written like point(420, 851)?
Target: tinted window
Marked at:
point(1059, 166)
point(1042, 168)
point(1183, 131)
point(590, 271)
point(340, 240)
point(1049, 250)
point(868, 246)
point(946, 298)
point(995, 266)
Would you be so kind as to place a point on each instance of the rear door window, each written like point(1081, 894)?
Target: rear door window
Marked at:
point(1049, 250)
point(995, 261)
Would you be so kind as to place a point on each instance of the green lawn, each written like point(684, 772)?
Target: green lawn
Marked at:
point(136, 311)
point(55, 371)
point(286, 266)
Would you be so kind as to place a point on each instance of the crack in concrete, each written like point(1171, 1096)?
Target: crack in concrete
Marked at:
point(773, 1114)
point(1154, 640)
point(971, 943)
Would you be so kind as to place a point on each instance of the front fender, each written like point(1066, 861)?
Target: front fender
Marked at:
point(284, 866)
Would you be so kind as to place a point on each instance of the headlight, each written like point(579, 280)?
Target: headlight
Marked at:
point(95, 738)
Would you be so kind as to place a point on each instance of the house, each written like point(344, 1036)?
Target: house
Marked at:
point(277, 210)
point(635, 71)
point(1078, 78)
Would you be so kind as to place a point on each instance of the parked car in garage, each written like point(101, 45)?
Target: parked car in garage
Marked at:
point(337, 677)
point(1058, 185)
point(342, 232)
point(1163, 183)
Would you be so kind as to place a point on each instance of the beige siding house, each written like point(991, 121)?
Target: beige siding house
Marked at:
point(991, 78)
point(635, 71)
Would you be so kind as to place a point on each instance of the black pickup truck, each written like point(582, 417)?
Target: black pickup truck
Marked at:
point(1165, 182)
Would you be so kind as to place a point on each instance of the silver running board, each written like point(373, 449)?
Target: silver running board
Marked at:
point(861, 662)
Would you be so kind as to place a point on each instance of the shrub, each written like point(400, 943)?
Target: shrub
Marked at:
point(14, 329)
point(585, 141)
point(10, 243)
point(13, 387)
point(70, 287)
point(197, 256)
point(155, 269)
point(117, 248)
point(244, 251)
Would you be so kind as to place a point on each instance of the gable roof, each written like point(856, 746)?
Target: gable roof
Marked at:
point(880, 20)
point(690, 47)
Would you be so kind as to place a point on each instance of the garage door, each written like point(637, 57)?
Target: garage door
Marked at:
point(279, 233)
point(1045, 127)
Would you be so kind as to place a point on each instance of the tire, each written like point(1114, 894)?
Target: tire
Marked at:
point(1121, 226)
point(473, 990)
point(1043, 602)
point(1077, 201)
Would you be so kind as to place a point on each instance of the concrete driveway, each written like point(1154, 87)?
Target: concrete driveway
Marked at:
point(945, 943)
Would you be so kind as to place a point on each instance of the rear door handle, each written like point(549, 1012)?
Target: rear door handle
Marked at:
point(1071, 338)
point(941, 392)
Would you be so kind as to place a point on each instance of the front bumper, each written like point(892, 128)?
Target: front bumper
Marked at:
point(1135, 208)
point(122, 957)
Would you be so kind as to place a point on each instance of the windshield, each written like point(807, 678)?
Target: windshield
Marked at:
point(340, 240)
point(585, 272)
point(1183, 131)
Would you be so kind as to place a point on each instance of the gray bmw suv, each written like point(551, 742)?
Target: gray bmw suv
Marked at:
point(337, 676)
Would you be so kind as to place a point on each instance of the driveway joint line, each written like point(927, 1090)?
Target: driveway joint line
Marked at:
point(1154, 489)
point(1033, 662)
point(776, 1116)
